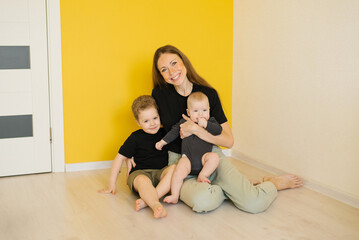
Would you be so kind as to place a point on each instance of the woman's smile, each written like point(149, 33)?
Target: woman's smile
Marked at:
point(176, 77)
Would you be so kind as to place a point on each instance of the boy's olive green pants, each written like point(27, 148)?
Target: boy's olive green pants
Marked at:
point(227, 183)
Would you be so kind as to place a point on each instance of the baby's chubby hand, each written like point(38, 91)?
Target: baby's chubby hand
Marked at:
point(202, 122)
point(160, 144)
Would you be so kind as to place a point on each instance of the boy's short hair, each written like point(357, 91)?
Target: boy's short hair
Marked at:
point(196, 96)
point(142, 103)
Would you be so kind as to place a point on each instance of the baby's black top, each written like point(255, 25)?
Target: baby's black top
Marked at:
point(192, 146)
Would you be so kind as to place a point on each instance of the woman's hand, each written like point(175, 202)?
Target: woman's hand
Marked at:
point(188, 128)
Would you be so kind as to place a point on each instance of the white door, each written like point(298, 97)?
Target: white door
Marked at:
point(24, 92)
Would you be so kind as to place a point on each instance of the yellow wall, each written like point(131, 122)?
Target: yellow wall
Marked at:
point(107, 49)
point(296, 88)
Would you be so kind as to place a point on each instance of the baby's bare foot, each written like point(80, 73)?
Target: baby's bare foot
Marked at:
point(284, 181)
point(159, 211)
point(202, 178)
point(171, 199)
point(140, 204)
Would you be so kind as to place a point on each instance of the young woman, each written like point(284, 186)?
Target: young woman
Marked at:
point(174, 79)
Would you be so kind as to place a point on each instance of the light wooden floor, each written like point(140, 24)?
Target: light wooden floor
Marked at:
point(67, 206)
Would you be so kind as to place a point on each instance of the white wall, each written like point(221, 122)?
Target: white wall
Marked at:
point(296, 88)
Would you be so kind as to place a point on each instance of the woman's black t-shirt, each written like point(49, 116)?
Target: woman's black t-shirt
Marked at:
point(172, 105)
point(141, 146)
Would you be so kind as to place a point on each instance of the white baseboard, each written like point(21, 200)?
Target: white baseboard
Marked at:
point(315, 186)
point(73, 167)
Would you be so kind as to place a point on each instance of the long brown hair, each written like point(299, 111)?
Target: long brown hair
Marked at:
point(192, 75)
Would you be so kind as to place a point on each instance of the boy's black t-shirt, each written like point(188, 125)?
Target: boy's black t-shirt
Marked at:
point(141, 146)
point(172, 105)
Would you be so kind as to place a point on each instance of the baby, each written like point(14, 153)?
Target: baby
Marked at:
point(197, 157)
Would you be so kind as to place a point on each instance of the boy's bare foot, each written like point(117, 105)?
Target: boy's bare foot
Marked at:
point(140, 204)
point(202, 178)
point(284, 181)
point(171, 199)
point(159, 211)
point(254, 181)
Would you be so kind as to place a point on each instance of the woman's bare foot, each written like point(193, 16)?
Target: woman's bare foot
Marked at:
point(284, 181)
point(202, 178)
point(140, 204)
point(171, 199)
point(159, 211)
